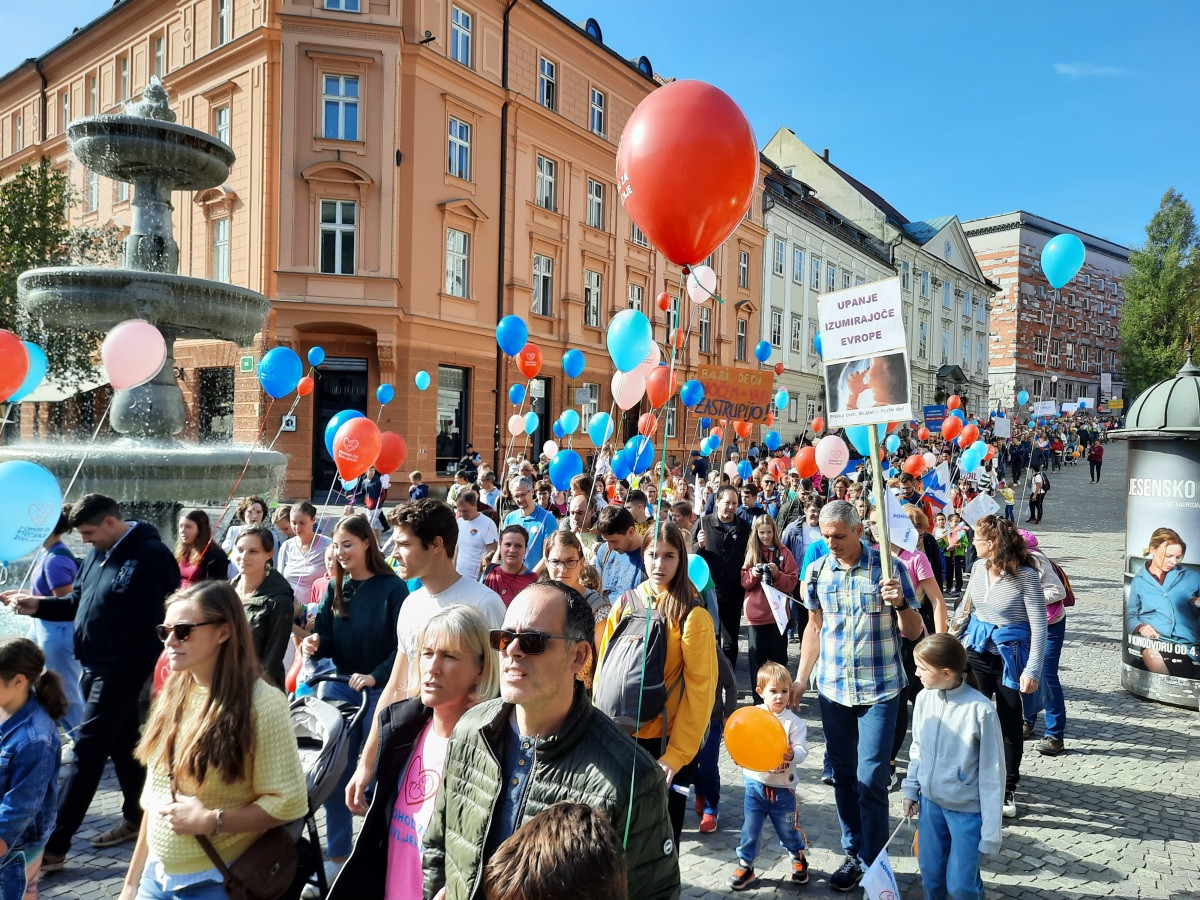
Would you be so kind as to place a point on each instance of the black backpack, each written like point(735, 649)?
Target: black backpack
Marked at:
point(1045, 483)
point(640, 637)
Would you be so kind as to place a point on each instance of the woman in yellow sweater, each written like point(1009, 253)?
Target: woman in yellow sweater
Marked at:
point(219, 750)
point(691, 651)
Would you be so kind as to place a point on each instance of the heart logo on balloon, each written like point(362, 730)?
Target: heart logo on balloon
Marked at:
point(39, 513)
point(350, 444)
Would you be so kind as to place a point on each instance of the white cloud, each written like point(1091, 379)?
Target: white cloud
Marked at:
point(1087, 70)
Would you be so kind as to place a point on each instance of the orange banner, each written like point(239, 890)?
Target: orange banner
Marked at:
point(735, 392)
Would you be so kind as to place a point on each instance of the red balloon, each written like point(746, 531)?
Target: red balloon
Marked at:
point(991, 452)
point(968, 436)
point(162, 669)
point(664, 301)
point(818, 425)
point(678, 336)
point(293, 675)
point(953, 401)
point(914, 465)
point(770, 417)
point(392, 451)
point(660, 386)
point(922, 433)
point(742, 429)
point(718, 433)
point(687, 166)
point(14, 363)
point(529, 360)
point(951, 427)
point(356, 447)
point(779, 368)
point(305, 386)
point(647, 424)
point(806, 462)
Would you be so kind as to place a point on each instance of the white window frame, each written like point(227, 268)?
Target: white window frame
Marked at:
point(777, 259)
point(93, 191)
point(923, 338)
point(341, 101)
point(160, 55)
point(797, 266)
point(776, 328)
point(543, 285)
point(845, 279)
point(595, 204)
point(946, 294)
point(547, 83)
point(743, 268)
point(637, 236)
point(705, 329)
point(797, 334)
point(223, 124)
point(123, 78)
point(350, 6)
point(593, 291)
point(740, 346)
point(905, 275)
point(340, 229)
point(637, 297)
point(224, 22)
point(93, 94)
point(965, 347)
point(461, 24)
point(219, 233)
point(458, 263)
point(597, 114)
point(458, 149)
point(925, 283)
point(978, 354)
point(810, 409)
point(1039, 350)
point(830, 277)
point(546, 195)
point(815, 281)
point(945, 344)
point(66, 109)
point(670, 417)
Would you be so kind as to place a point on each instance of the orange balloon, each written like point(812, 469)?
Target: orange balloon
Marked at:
point(392, 451)
point(806, 462)
point(356, 447)
point(818, 425)
point(647, 424)
point(968, 436)
point(305, 386)
point(718, 433)
point(951, 427)
point(664, 301)
point(610, 490)
point(678, 336)
point(660, 386)
point(742, 429)
point(953, 401)
point(922, 433)
point(770, 417)
point(529, 360)
point(755, 739)
point(991, 452)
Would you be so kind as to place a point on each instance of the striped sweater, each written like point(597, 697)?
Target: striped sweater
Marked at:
point(1011, 600)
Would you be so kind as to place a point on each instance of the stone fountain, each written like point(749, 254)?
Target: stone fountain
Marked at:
point(147, 469)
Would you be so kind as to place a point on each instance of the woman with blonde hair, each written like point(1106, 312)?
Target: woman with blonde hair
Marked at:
point(221, 758)
point(768, 563)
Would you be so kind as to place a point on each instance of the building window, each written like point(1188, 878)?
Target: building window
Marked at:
point(343, 5)
point(93, 192)
point(122, 191)
point(740, 346)
point(1039, 351)
point(945, 295)
point(595, 204)
point(816, 273)
point(224, 21)
point(592, 405)
point(220, 250)
point(459, 162)
point(925, 283)
point(1037, 388)
point(637, 297)
point(637, 235)
point(1053, 389)
point(66, 110)
point(671, 414)
point(123, 79)
point(797, 265)
point(18, 132)
point(593, 284)
point(543, 285)
point(743, 269)
point(596, 119)
point(1041, 292)
point(338, 224)
point(1055, 350)
point(945, 345)
point(845, 280)
point(858, 279)
point(965, 347)
point(810, 409)
point(221, 125)
point(705, 330)
point(673, 319)
point(341, 107)
point(546, 172)
point(905, 281)
point(93, 95)
point(160, 56)
point(453, 402)
point(460, 36)
point(547, 91)
point(831, 277)
point(967, 305)
point(458, 263)
point(980, 310)
point(978, 354)
point(797, 334)
point(777, 263)
point(923, 339)
point(776, 328)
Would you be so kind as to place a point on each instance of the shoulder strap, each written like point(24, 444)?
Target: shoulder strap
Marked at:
point(211, 852)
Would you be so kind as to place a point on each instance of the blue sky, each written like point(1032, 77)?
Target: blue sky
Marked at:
point(1079, 110)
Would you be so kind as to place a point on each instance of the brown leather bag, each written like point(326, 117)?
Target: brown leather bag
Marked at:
point(264, 872)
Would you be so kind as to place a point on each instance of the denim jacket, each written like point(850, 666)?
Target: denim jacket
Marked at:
point(1011, 642)
point(29, 754)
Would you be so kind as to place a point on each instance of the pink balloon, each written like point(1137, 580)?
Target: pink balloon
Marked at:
point(550, 448)
point(832, 455)
point(701, 284)
point(516, 425)
point(931, 461)
point(627, 388)
point(133, 353)
point(650, 363)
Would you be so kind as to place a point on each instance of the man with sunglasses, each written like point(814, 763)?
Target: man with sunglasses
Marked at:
point(117, 603)
point(542, 742)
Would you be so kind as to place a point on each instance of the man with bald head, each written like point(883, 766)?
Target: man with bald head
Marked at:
point(540, 743)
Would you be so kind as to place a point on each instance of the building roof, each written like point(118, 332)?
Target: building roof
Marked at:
point(1019, 218)
point(925, 231)
point(894, 216)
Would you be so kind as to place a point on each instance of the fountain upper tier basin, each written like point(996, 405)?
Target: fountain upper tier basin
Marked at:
point(98, 299)
point(127, 147)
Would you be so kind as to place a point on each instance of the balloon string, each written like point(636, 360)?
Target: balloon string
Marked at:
point(596, 463)
point(325, 517)
point(261, 426)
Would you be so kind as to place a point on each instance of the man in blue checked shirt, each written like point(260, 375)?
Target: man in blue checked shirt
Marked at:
point(855, 623)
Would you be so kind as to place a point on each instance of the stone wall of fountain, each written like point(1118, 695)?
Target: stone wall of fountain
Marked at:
point(147, 469)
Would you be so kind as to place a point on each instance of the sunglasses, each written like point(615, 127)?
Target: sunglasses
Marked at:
point(531, 643)
point(183, 630)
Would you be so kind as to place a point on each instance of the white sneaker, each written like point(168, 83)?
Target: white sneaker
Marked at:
point(1009, 809)
point(311, 891)
point(67, 754)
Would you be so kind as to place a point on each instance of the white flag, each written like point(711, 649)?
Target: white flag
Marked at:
point(901, 530)
point(879, 881)
point(780, 604)
point(981, 506)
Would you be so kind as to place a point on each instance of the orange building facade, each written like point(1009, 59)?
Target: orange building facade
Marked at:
point(408, 171)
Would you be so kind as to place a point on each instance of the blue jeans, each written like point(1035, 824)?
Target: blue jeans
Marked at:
point(776, 802)
point(57, 640)
point(708, 770)
point(1049, 695)
point(149, 889)
point(859, 739)
point(1008, 513)
point(339, 826)
point(948, 853)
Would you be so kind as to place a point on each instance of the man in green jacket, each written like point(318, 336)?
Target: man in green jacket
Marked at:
point(541, 743)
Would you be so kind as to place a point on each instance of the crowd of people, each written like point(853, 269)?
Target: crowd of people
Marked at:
point(514, 616)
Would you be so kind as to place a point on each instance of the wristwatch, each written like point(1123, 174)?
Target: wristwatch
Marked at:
point(900, 608)
point(220, 822)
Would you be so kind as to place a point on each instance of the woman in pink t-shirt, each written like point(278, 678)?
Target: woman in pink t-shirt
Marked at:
point(456, 669)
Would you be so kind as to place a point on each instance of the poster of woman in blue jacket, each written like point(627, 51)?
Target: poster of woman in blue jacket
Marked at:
point(1162, 615)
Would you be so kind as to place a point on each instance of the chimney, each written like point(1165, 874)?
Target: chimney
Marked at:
point(825, 154)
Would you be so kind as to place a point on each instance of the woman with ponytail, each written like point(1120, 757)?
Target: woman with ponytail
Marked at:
point(31, 700)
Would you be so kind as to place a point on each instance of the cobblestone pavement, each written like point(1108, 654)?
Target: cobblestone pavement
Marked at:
point(1115, 816)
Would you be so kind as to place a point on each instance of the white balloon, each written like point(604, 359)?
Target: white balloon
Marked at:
point(930, 460)
point(550, 448)
point(701, 284)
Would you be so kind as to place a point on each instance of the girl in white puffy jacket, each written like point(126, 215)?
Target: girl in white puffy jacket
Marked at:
point(955, 773)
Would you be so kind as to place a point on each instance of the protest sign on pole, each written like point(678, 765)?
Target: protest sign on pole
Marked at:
point(735, 393)
point(983, 505)
point(900, 526)
point(1045, 408)
point(1001, 428)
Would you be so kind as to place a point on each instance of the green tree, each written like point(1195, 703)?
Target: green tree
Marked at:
point(1162, 295)
point(34, 232)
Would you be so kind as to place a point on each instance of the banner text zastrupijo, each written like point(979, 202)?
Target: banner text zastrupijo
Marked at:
point(735, 393)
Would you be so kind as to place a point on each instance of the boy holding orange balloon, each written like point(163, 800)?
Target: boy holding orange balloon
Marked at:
point(772, 793)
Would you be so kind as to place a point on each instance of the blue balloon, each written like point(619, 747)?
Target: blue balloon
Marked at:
point(639, 453)
point(706, 448)
point(762, 351)
point(32, 502)
point(862, 439)
point(620, 466)
point(1083, 404)
point(565, 465)
point(385, 394)
point(705, 422)
point(511, 335)
point(573, 362)
point(1000, 414)
point(569, 421)
point(336, 421)
point(279, 371)
point(1023, 397)
point(629, 338)
point(316, 356)
point(782, 397)
point(516, 394)
point(772, 440)
point(698, 571)
point(691, 392)
point(33, 377)
point(892, 443)
point(349, 485)
point(558, 430)
point(960, 415)
point(600, 428)
point(421, 380)
point(1062, 258)
point(531, 422)
point(817, 343)
point(744, 469)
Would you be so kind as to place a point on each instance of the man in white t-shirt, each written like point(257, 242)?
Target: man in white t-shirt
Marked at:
point(426, 535)
point(477, 536)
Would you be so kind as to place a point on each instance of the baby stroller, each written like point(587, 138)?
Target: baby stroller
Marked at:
point(323, 728)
